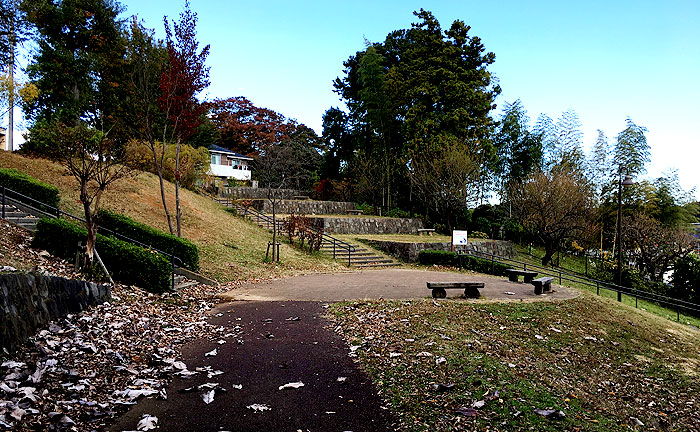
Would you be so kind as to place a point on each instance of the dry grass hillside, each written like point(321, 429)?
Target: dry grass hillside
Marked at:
point(230, 248)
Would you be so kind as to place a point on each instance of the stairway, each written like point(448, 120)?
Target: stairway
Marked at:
point(351, 254)
point(20, 217)
point(361, 257)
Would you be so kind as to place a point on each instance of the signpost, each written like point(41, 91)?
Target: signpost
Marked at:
point(459, 239)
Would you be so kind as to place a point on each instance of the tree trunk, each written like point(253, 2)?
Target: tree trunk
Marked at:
point(275, 258)
point(11, 98)
point(178, 210)
point(548, 254)
point(159, 172)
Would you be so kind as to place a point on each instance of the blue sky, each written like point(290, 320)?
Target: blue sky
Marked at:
point(607, 60)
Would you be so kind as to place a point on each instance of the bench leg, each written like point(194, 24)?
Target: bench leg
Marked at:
point(513, 278)
point(472, 292)
point(538, 289)
point(528, 278)
point(439, 293)
point(547, 287)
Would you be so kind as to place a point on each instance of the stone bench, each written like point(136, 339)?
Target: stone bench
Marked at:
point(355, 212)
point(527, 275)
point(471, 289)
point(543, 284)
point(428, 231)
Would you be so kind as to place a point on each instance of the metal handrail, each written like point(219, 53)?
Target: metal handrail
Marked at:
point(57, 215)
point(336, 242)
point(598, 284)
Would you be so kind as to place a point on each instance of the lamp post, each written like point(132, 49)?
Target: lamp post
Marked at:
point(626, 182)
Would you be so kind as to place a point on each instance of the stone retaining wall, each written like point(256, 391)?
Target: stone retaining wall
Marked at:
point(260, 193)
point(29, 301)
point(408, 252)
point(369, 225)
point(307, 207)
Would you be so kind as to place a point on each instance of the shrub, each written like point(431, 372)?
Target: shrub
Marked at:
point(479, 235)
point(168, 243)
point(439, 257)
point(686, 279)
point(447, 258)
point(398, 213)
point(128, 264)
point(29, 186)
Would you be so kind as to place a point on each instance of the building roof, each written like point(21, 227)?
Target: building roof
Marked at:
point(219, 149)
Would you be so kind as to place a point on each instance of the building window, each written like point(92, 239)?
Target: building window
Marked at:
point(216, 159)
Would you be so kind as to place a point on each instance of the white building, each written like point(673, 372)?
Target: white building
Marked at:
point(226, 165)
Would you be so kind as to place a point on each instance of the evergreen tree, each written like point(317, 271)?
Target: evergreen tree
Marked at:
point(631, 150)
point(79, 66)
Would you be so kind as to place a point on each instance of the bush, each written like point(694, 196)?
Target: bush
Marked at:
point(447, 258)
point(29, 186)
point(168, 243)
point(128, 264)
point(398, 213)
point(439, 257)
point(478, 235)
point(686, 279)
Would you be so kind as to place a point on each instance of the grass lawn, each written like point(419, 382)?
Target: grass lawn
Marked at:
point(578, 264)
point(602, 365)
point(229, 247)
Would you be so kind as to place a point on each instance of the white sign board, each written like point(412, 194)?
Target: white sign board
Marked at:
point(459, 238)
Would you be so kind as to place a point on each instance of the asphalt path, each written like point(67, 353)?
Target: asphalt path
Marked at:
point(282, 343)
point(282, 337)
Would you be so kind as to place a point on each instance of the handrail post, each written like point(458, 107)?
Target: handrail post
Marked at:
point(172, 274)
point(3, 202)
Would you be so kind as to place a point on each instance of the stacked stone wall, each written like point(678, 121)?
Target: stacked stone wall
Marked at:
point(370, 225)
point(29, 301)
point(306, 207)
point(260, 193)
point(408, 252)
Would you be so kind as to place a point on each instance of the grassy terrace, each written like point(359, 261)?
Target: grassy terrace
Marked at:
point(577, 264)
point(602, 365)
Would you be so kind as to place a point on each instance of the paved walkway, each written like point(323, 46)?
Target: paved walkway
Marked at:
point(388, 284)
point(279, 336)
point(281, 343)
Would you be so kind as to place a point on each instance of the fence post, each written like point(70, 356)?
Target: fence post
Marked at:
point(597, 287)
point(636, 301)
point(172, 274)
point(586, 265)
point(492, 264)
point(678, 314)
point(3, 202)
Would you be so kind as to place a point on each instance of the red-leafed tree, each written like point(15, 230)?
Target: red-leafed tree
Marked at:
point(247, 129)
point(183, 78)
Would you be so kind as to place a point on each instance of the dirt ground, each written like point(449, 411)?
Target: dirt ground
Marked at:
point(387, 284)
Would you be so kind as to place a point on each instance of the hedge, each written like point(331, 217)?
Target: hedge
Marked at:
point(168, 243)
point(29, 186)
point(447, 258)
point(127, 263)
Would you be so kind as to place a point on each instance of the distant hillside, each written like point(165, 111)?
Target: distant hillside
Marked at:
point(230, 248)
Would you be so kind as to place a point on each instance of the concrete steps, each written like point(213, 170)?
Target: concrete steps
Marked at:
point(21, 218)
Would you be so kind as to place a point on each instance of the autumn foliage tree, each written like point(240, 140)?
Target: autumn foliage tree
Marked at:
point(247, 129)
point(184, 77)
